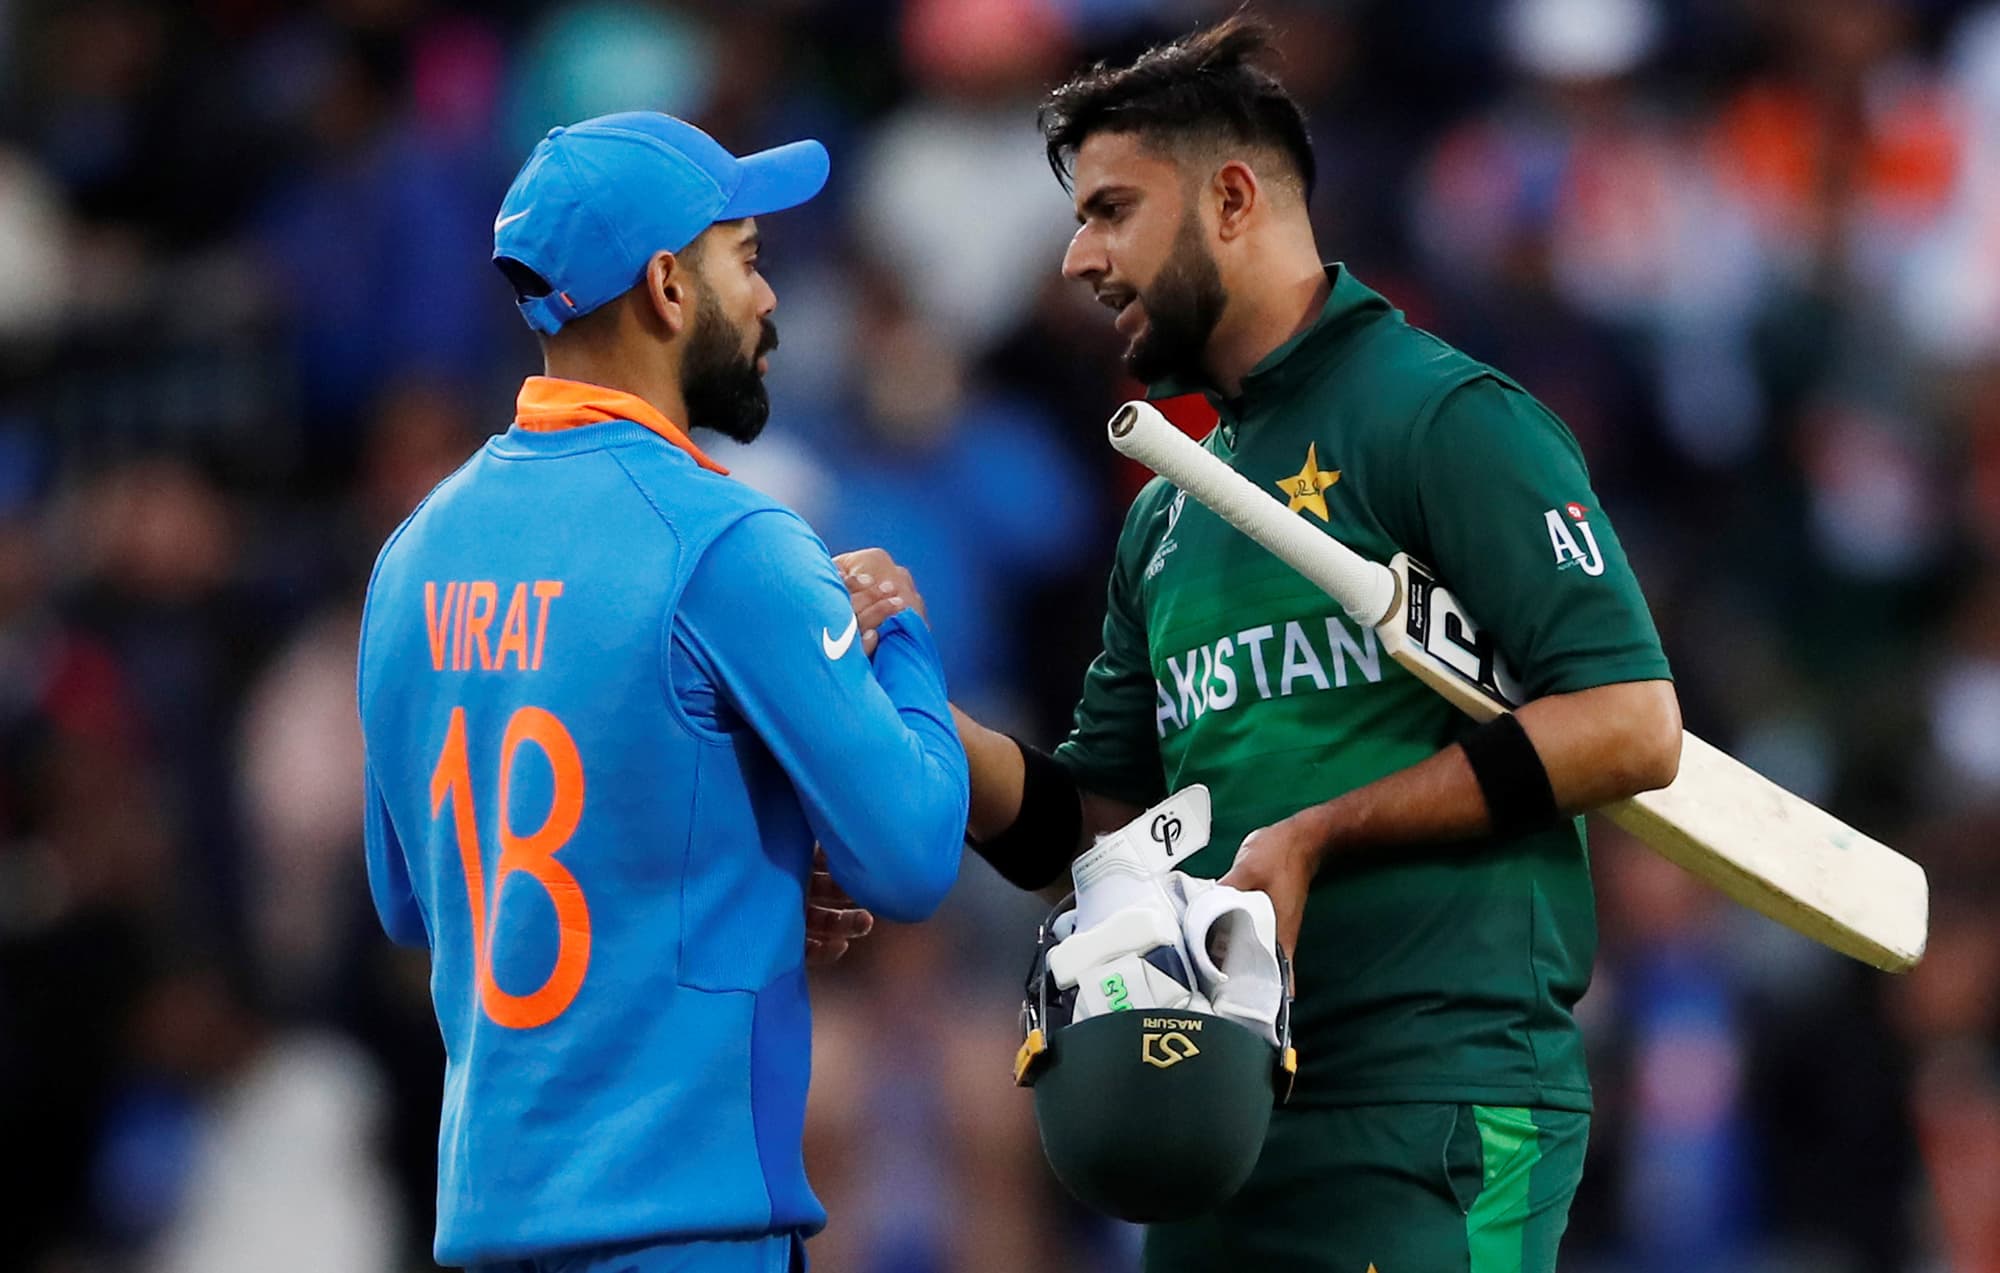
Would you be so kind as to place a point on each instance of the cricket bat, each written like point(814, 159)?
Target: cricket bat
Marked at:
point(1780, 855)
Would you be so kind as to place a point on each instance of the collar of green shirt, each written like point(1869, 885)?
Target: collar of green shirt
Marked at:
point(1350, 306)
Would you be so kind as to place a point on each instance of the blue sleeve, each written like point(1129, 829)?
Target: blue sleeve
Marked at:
point(870, 749)
point(388, 872)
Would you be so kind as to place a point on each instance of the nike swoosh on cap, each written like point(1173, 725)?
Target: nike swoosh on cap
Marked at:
point(835, 648)
point(498, 222)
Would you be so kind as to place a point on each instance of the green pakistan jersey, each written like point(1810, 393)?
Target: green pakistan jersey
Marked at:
point(1444, 973)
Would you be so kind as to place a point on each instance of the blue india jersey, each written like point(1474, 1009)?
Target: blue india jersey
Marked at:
point(611, 698)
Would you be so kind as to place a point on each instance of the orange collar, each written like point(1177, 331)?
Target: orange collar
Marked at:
point(547, 404)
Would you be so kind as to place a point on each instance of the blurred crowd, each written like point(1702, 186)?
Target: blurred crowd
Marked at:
point(1748, 249)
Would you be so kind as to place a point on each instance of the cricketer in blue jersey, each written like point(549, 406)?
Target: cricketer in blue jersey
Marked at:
point(611, 698)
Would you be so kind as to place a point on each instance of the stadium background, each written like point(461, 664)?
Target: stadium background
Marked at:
point(1749, 249)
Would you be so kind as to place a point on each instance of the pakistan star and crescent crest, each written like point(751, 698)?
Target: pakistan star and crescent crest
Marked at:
point(1306, 489)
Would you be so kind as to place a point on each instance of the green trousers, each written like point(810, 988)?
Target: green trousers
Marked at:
point(1410, 1188)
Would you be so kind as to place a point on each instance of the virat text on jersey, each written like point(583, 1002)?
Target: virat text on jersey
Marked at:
point(457, 619)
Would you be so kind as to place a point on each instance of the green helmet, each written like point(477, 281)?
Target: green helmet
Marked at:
point(1147, 1114)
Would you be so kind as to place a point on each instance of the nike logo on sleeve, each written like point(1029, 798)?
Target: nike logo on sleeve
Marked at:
point(835, 647)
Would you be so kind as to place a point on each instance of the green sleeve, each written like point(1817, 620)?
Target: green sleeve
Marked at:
point(1508, 520)
point(1113, 748)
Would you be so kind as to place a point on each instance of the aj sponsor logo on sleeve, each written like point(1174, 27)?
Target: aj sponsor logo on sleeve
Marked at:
point(1564, 541)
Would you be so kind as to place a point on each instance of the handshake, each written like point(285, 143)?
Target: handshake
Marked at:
point(880, 589)
point(1145, 936)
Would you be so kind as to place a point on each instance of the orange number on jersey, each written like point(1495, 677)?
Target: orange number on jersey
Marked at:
point(533, 854)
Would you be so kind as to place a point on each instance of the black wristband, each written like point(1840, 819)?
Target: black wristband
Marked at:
point(1511, 777)
point(1035, 851)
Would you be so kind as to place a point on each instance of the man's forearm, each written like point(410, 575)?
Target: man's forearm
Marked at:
point(1596, 746)
point(998, 775)
point(1604, 744)
point(1022, 842)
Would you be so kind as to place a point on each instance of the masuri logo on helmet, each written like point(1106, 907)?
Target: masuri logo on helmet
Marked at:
point(1169, 1049)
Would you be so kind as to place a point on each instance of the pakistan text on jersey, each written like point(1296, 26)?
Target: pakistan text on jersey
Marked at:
point(459, 619)
point(1313, 655)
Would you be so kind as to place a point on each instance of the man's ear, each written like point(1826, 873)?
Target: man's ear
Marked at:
point(670, 291)
point(1235, 193)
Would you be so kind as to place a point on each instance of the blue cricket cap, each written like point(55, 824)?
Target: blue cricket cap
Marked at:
point(597, 199)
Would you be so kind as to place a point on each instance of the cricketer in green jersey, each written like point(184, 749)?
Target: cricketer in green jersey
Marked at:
point(1429, 873)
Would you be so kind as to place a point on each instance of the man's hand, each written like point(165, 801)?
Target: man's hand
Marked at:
point(833, 921)
point(879, 588)
point(1280, 860)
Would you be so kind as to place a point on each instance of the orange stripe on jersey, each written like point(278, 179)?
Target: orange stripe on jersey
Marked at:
point(547, 404)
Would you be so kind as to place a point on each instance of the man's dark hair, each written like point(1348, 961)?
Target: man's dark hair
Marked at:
point(1205, 86)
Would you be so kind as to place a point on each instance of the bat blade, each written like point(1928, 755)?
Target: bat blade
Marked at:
point(1772, 851)
point(1784, 857)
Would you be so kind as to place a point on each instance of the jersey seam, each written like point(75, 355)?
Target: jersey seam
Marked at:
point(687, 859)
point(717, 737)
point(1423, 421)
point(1444, 1159)
point(750, 1099)
point(368, 594)
point(1534, 973)
point(502, 451)
point(670, 606)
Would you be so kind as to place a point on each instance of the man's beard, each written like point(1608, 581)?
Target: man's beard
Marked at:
point(1183, 305)
point(719, 383)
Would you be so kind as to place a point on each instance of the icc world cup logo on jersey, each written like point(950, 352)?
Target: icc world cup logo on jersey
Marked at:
point(1167, 543)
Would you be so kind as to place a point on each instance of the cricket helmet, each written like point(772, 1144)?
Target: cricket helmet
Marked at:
point(1147, 1114)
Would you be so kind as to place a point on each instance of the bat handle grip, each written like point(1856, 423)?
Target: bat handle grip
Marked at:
point(1366, 590)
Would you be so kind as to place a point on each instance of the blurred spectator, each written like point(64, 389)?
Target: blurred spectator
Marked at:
point(601, 56)
point(273, 1162)
point(1582, 194)
point(1849, 147)
point(1951, 289)
point(1949, 1012)
point(968, 143)
point(73, 869)
point(372, 235)
point(300, 762)
point(965, 487)
point(34, 254)
point(1686, 1170)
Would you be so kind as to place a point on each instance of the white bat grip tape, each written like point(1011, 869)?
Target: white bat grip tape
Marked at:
point(1365, 589)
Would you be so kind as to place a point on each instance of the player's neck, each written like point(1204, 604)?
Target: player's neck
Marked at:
point(658, 386)
point(1288, 294)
